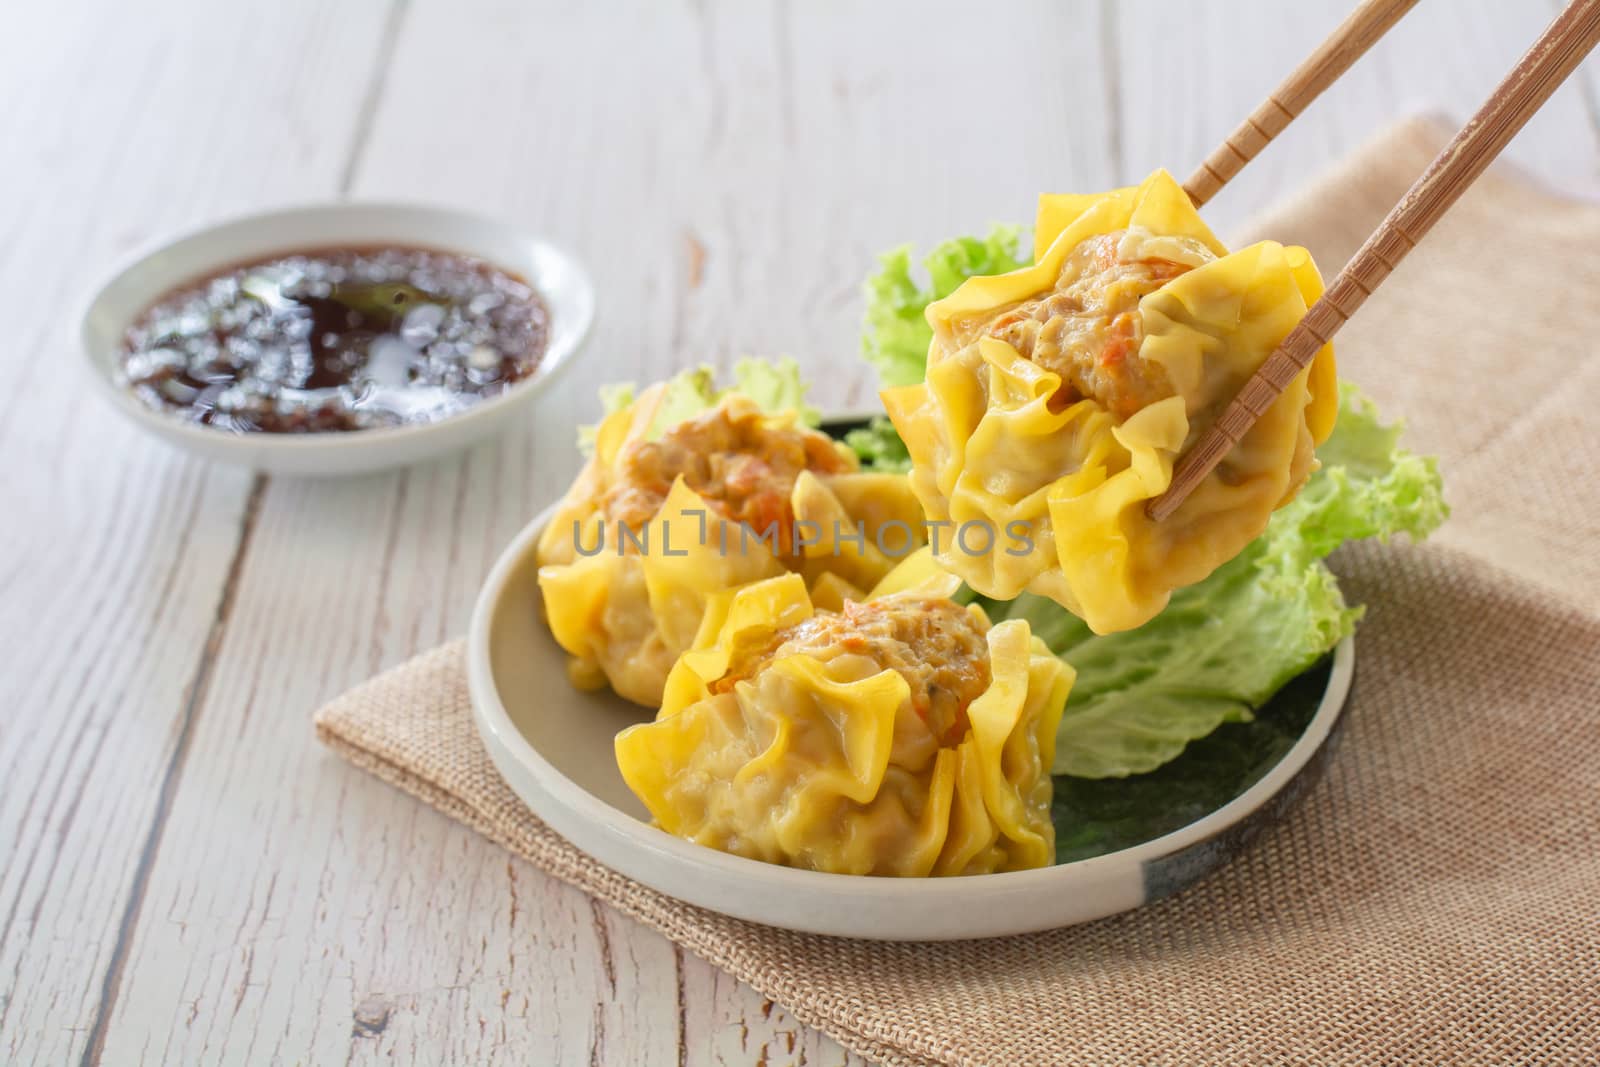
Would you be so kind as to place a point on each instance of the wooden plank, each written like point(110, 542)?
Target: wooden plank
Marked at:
point(730, 1025)
point(121, 123)
point(1436, 60)
point(728, 173)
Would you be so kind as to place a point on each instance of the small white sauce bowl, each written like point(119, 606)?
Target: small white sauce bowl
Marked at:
point(148, 276)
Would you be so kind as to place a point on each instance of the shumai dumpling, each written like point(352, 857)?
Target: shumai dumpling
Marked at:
point(1058, 396)
point(902, 735)
point(658, 521)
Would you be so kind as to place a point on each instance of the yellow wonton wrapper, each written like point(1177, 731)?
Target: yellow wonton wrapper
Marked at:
point(626, 610)
point(987, 448)
point(818, 761)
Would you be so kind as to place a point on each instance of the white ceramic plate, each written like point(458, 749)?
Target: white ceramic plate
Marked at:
point(150, 275)
point(552, 744)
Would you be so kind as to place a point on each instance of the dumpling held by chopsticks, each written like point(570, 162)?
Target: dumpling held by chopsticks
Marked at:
point(1058, 397)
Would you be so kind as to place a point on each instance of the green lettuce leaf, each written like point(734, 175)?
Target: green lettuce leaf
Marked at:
point(775, 385)
point(896, 335)
point(879, 447)
point(1226, 645)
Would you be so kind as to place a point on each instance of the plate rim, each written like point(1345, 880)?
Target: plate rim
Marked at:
point(1114, 881)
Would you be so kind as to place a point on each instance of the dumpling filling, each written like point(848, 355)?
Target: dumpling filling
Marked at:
point(741, 463)
point(935, 644)
point(1088, 330)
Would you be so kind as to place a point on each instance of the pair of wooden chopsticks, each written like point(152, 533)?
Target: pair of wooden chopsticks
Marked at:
point(1545, 66)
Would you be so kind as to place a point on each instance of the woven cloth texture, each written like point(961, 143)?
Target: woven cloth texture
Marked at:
point(1435, 898)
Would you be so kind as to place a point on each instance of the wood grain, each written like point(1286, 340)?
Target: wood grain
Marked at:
point(1547, 64)
point(729, 170)
point(1330, 59)
point(114, 551)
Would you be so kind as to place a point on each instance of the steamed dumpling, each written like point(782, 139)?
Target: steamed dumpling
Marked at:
point(1058, 397)
point(657, 522)
point(902, 735)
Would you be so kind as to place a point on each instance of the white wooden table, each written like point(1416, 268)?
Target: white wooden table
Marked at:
point(185, 875)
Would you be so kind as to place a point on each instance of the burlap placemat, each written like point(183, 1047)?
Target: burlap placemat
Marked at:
point(1436, 898)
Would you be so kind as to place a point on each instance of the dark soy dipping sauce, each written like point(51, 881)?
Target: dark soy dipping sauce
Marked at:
point(336, 339)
